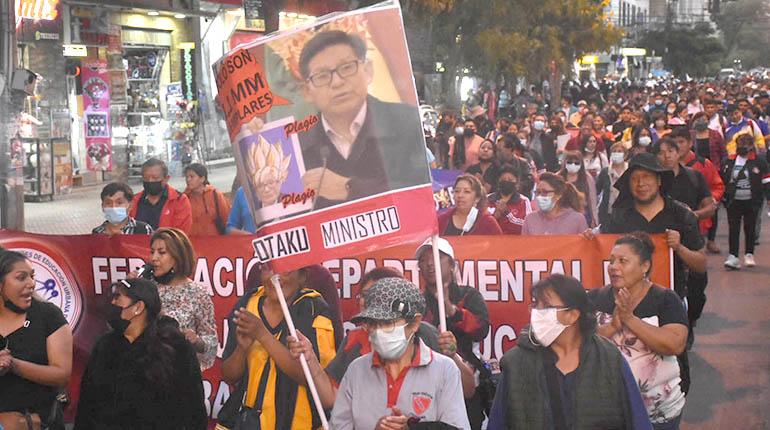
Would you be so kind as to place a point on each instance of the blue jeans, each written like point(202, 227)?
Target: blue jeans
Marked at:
point(669, 425)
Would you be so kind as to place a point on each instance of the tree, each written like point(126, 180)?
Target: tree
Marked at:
point(530, 37)
point(742, 21)
point(694, 51)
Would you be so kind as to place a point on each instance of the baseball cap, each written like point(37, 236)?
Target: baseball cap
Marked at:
point(443, 246)
point(141, 289)
point(390, 299)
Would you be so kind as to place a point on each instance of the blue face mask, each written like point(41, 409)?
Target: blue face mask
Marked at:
point(115, 215)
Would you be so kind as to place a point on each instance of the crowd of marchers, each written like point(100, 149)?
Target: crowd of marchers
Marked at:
point(617, 159)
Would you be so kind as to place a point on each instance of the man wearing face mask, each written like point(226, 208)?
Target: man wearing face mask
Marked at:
point(508, 206)
point(561, 373)
point(747, 183)
point(421, 386)
point(116, 201)
point(160, 205)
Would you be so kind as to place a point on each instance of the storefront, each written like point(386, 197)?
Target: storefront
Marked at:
point(115, 83)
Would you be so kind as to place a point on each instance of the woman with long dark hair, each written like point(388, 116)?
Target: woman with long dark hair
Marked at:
point(35, 347)
point(143, 374)
point(573, 171)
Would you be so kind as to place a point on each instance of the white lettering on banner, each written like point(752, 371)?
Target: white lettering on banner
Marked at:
point(222, 341)
point(119, 267)
point(496, 280)
point(358, 227)
point(213, 406)
point(502, 333)
point(226, 278)
point(282, 244)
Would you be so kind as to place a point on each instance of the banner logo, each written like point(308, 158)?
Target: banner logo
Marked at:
point(54, 285)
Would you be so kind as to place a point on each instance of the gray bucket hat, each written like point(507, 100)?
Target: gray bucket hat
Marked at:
point(390, 299)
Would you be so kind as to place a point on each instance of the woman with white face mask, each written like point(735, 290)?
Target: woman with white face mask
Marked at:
point(648, 324)
point(573, 171)
point(562, 374)
point(401, 381)
point(469, 214)
point(605, 182)
point(559, 208)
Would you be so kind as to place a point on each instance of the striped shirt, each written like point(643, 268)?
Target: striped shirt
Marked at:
point(132, 227)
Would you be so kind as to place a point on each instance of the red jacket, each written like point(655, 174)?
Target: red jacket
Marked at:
point(485, 223)
point(713, 180)
point(176, 212)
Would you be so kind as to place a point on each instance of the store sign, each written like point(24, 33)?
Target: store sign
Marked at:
point(633, 52)
point(188, 71)
point(254, 13)
point(37, 9)
point(75, 51)
point(39, 35)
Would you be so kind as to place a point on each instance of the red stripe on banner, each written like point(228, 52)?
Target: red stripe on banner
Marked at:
point(395, 218)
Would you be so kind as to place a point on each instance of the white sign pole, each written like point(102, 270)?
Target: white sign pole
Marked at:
point(439, 284)
point(302, 359)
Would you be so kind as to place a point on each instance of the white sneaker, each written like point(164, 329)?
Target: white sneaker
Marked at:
point(748, 260)
point(732, 262)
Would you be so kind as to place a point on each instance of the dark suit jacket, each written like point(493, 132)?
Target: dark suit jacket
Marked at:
point(388, 153)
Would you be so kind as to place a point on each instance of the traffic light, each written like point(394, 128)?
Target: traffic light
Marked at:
point(73, 69)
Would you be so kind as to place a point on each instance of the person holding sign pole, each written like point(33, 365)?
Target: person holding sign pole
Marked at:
point(357, 343)
point(467, 318)
point(271, 383)
point(402, 382)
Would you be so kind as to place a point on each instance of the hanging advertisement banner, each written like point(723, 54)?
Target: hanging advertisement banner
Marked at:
point(96, 102)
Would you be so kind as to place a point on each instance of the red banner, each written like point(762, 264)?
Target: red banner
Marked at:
point(74, 272)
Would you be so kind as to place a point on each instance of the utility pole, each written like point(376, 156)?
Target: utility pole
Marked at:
point(11, 188)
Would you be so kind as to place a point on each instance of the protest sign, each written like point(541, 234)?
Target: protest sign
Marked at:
point(328, 139)
point(75, 272)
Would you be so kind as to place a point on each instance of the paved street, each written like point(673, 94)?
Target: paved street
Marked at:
point(730, 360)
point(79, 212)
point(731, 357)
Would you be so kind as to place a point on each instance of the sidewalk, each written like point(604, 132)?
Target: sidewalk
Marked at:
point(80, 211)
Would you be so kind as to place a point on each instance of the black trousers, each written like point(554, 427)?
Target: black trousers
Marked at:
point(696, 295)
point(746, 211)
point(712, 233)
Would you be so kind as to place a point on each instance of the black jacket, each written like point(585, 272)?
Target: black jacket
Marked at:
point(115, 393)
point(759, 177)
